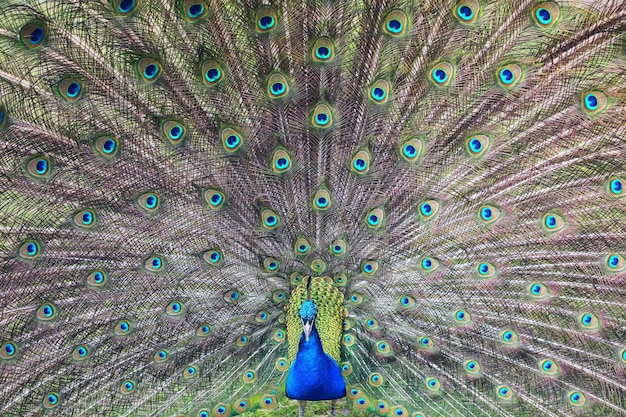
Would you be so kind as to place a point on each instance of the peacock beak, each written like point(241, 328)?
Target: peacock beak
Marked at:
point(308, 327)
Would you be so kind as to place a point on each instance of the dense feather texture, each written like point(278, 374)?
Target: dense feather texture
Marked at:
point(171, 170)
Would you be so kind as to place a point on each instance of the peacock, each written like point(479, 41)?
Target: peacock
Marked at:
point(406, 208)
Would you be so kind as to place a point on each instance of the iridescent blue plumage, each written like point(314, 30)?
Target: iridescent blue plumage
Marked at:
point(210, 208)
point(314, 375)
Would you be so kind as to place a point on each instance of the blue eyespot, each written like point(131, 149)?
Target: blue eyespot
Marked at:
point(617, 187)
point(591, 101)
point(322, 52)
point(41, 166)
point(465, 12)
point(278, 88)
point(394, 26)
point(36, 35)
point(176, 132)
point(543, 16)
point(31, 248)
point(195, 11)
point(378, 93)
point(282, 163)
point(506, 76)
point(266, 22)
point(87, 218)
point(427, 263)
point(409, 150)
point(475, 145)
point(109, 146)
point(126, 6)
point(359, 164)
point(322, 118)
point(73, 89)
point(151, 71)
point(213, 74)
point(440, 75)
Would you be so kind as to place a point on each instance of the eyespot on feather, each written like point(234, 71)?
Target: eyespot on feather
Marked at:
point(380, 91)
point(477, 145)
point(266, 19)
point(71, 89)
point(212, 73)
point(38, 167)
point(85, 219)
point(106, 146)
point(509, 75)
point(323, 50)
point(34, 34)
point(594, 102)
point(395, 23)
point(231, 139)
point(277, 86)
point(30, 249)
point(322, 116)
point(361, 161)
point(149, 202)
point(302, 246)
point(154, 263)
point(124, 7)
point(466, 11)
point(545, 15)
point(281, 161)
point(442, 74)
point(411, 150)
point(194, 10)
point(374, 219)
point(213, 198)
point(213, 257)
point(149, 69)
point(173, 131)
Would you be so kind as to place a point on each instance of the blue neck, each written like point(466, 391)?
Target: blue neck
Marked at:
point(314, 375)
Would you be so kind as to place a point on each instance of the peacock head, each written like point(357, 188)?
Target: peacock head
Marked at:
point(307, 315)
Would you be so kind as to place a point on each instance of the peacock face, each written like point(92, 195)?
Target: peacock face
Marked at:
point(307, 314)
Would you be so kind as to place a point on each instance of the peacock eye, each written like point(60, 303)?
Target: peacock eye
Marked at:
point(361, 161)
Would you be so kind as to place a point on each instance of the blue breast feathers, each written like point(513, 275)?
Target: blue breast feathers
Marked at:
point(314, 376)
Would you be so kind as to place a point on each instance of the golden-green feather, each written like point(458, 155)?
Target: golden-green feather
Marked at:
point(444, 179)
